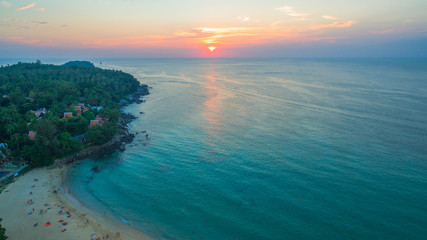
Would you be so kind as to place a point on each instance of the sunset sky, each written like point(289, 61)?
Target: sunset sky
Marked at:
point(236, 28)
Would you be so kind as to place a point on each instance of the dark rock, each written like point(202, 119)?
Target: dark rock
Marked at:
point(96, 169)
point(122, 148)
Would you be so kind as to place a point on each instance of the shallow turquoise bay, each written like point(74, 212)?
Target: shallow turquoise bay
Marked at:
point(270, 149)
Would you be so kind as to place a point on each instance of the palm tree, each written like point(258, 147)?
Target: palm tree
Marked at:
point(16, 139)
point(10, 128)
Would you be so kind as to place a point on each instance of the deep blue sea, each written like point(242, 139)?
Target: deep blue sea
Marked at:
point(270, 149)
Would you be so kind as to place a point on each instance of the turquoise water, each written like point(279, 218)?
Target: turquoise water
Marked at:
point(270, 149)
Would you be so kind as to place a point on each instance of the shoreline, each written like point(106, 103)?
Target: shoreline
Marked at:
point(109, 220)
point(49, 195)
point(118, 142)
point(20, 219)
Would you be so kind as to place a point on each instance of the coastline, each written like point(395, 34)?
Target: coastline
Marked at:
point(47, 203)
point(49, 195)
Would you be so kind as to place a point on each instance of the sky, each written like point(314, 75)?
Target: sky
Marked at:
point(207, 28)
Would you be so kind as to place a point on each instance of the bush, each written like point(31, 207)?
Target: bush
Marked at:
point(2, 231)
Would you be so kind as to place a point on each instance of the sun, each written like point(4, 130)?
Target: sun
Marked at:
point(212, 48)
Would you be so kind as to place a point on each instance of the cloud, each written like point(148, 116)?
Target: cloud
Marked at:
point(387, 31)
point(26, 6)
point(22, 40)
point(299, 19)
point(398, 31)
point(15, 38)
point(221, 30)
point(14, 20)
point(243, 19)
point(39, 23)
point(64, 25)
point(290, 11)
point(40, 9)
point(329, 17)
point(186, 34)
point(337, 24)
point(5, 4)
point(227, 36)
point(131, 41)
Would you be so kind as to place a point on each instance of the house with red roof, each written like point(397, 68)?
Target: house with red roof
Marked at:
point(32, 135)
point(67, 115)
point(84, 108)
point(78, 109)
point(94, 123)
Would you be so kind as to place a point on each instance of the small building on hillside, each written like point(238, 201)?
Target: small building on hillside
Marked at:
point(99, 118)
point(78, 109)
point(40, 112)
point(67, 115)
point(94, 123)
point(32, 135)
point(84, 108)
point(98, 108)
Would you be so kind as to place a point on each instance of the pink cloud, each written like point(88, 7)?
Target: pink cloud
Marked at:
point(26, 6)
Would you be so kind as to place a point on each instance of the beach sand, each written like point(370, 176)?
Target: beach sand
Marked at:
point(47, 204)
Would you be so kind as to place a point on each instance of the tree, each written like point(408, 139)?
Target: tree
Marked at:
point(9, 128)
point(112, 114)
point(96, 135)
point(16, 138)
point(76, 126)
point(17, 96)
point(31, 86)
point(2, 231)
point(38, 155)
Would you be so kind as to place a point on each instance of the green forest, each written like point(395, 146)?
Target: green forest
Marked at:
point(34, 98)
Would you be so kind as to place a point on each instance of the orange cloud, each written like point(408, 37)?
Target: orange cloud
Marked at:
point(26, 7)
point(221, 30)
point(337, 24)
point(186, 34)
point(227, 36)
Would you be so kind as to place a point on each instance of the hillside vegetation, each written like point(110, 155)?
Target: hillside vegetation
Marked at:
point(26, 88)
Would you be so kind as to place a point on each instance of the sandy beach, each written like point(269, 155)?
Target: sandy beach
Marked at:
point(38, 206)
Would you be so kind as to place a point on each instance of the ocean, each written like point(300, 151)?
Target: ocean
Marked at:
point(269, 149)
